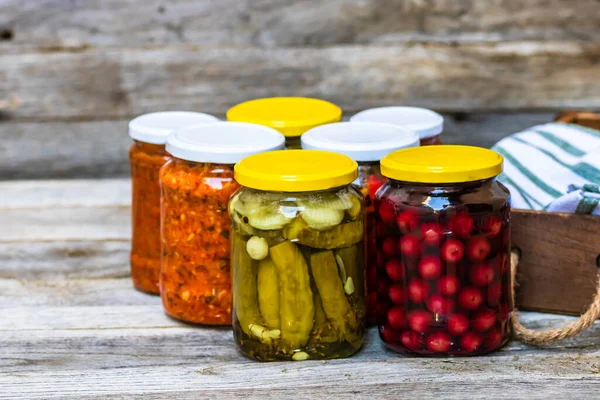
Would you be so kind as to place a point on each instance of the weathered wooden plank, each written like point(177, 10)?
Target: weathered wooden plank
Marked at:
point(65, 259)
point(501, 376)
point(78, 24)
point(74, 292)
point(106, 84)
point(65, 224)
point(65, 193)
point(99, 148)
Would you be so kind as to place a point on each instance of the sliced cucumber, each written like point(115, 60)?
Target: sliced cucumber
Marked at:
point(270, 221)
point(322, 219)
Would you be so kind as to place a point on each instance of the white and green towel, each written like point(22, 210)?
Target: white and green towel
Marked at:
point(553, 167)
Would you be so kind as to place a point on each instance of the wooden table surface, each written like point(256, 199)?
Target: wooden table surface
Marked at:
point(72, 326)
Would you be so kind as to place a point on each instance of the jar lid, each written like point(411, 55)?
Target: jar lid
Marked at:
point(155, 127)
point(296, 171)
point(442, 164)
point(361, 141)
point(292, 116)
point(223, 142)
point(424, 122)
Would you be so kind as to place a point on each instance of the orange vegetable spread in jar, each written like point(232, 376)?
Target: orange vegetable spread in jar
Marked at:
point(147, 155)
point(292, 116)
point(367, 143)
point(196, 185)
point(426, 123)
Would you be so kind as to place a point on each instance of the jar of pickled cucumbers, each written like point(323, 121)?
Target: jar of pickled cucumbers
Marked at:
point(297, 228)
point(366, 143)
point(147, 155)
point(292, 116)
point(195, 283)
point(443, 235)
point(426, 123)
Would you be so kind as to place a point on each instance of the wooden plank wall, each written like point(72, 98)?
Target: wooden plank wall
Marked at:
point(72, 72)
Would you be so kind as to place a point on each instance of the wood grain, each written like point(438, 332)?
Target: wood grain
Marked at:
point(557, 270)
point(118, 83)
point(65, 24)
point(85, 149)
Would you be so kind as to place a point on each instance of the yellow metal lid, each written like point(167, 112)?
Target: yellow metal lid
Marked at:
point(292, 116)
point(296, 170)
point(442, 164)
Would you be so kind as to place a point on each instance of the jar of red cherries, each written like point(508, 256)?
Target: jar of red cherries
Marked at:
point(443, 239)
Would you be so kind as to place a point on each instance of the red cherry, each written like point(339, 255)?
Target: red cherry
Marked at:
point(419, 320)
point(430, 267)
point(410, 245)
point(387, 212)
point(461, 224)
point(395, 269)
point(494, 339)
point(494, 293)
point(389, 247)
point(397, 317)
point(439, 342)
point(411, 340)
point(387, 334)
point(453, 250)
point(471, 342)
point(481, 274)
point(492, 226)
point(407, 221)
point(458, 324)
point(431, 233)
point(470, 298)
point(478, 248)
point(374, 182)
point(483, 320)
point(448, 285)
point(438, 304)
point(418, 290)
point(395, 293)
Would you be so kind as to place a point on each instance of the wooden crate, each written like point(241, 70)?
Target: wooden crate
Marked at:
point(560, 253)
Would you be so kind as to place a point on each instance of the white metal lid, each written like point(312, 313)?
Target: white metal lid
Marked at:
point(223, 142)
point(155, 127)
point(361, 141)
point(424, 122)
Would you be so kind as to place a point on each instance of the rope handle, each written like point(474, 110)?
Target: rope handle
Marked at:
point(538, 338)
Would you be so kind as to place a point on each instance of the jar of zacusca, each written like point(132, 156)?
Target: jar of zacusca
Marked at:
point(366, 143)
point(443, 235)
point(147, 155)
point(196, 184)
point(292, 116)
point(297, 256)
point(426, 123)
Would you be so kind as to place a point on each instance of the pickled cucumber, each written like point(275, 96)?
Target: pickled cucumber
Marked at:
point(245, 294)
point(268, 293)
point(342, 235)
point(295, 296)
point(322, 219)
point(270, 221)
point(353, 260)
point(335, 303)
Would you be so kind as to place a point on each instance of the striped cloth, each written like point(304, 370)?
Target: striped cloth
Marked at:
point(553, 167)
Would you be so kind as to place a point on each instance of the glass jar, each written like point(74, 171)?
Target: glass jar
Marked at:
point(292, 116)
point(443, 234)
point(195, 283)
point(297, 256)
point(366, 143)
point(426, 123)
point(147, 155)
